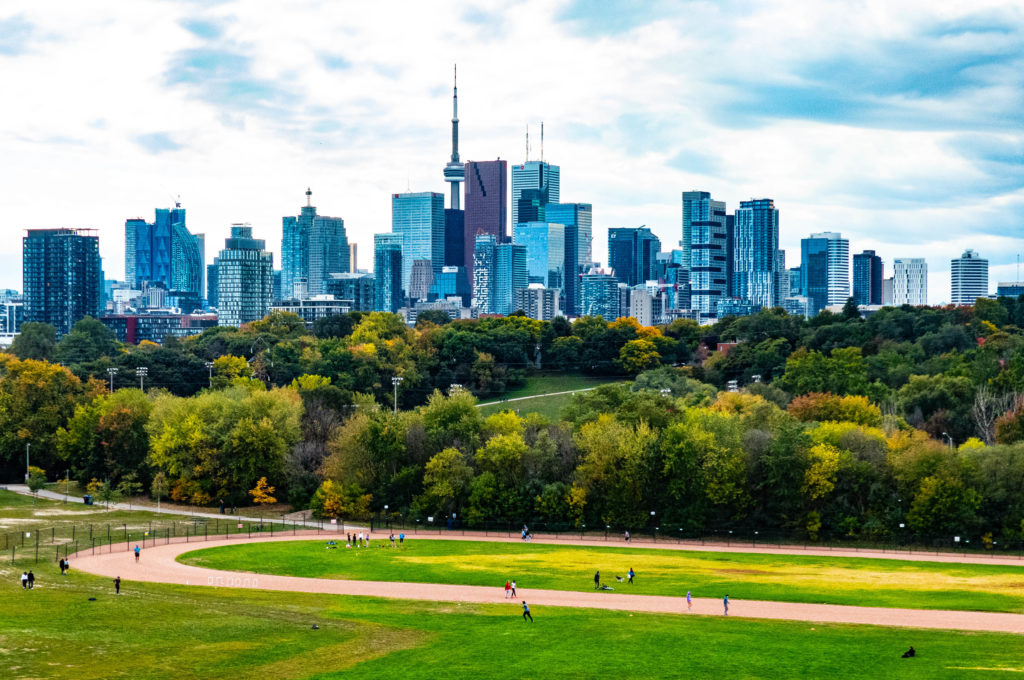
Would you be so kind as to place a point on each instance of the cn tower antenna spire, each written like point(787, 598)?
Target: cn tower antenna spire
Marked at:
point(454, 172)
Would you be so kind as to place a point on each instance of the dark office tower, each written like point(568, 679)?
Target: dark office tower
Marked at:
point(755, 252)
point(867, 278)
point(578, 221)
point(633, 254)
point(454, 238)
point(486, 205)
point(535, 175)
point(825, 270)
point(62, 276)
point(532, 204)
point(387, 272)
point(211, 284)
point(245, 278)
point(277, 287)
point(705, 251)
point(312, 248)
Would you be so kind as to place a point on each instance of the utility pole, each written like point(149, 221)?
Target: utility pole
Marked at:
point(142, 372)
point(112, 371)
point(395, 381)
point(28, 445)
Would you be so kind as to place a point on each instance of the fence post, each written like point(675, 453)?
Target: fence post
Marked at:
point(37, 547)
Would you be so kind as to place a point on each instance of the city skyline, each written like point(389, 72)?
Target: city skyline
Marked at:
point(898, 126)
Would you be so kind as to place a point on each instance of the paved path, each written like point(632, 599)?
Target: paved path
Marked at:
point(537, 396)
point(159, 565)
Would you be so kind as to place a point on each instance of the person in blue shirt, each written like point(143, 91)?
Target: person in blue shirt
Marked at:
point(137, 551)
point(526, 612)
point(725, 603)
point(631, 574)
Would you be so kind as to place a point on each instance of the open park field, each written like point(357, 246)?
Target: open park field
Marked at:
point(156, 630)
point(786, 578)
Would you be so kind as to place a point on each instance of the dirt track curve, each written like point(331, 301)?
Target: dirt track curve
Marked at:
point(159, 565)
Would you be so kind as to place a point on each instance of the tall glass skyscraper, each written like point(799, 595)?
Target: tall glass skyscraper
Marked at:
point(969, 278)
point(868, 273)
point(909, 281)
point(164, 252)
point(312, 248)
point(633, 254)
point(245, 278)
point(387, 272)
point(600, 294)
point(538, 175)
point(578, 221)
point(545, 252)
point(62, 276)
point(705, 246)
point(486, 205)
point(419, 219)
point(825, 270)
point(500, 269)
point(755, 252)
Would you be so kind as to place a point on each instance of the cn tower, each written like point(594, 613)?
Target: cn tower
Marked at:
point(455, 171)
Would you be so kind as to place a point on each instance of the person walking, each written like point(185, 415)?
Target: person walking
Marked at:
point(526, 612)
point(24, 580)
point(401, 538)
point(137, 551)
point(61, 565)
point(513, 588)
point(31, 580)
point(597, 579)
point(631, 574)
point(392, 537)
point(508, 588)
point(117, 585)
point(627, 535)
point(725, 603)
point(689, 601)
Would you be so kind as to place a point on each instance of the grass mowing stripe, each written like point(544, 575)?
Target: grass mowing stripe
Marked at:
point(786, 578)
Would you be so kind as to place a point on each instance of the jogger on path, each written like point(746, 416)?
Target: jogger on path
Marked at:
point(526, 612)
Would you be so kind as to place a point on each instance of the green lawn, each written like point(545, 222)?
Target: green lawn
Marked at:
point(796, 578)
point(175, 632)
point(557, 382)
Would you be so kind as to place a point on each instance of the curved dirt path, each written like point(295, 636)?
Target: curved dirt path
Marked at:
point(159, 565)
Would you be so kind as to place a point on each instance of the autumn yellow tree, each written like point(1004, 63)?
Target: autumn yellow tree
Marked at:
point(262, 493)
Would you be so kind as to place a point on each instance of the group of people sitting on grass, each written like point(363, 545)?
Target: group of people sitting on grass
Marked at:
point(362, 540)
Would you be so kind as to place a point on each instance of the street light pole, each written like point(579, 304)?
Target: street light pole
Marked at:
point(112, 371)
point(142, 372)
point(395, 380)
point(946, 435)
point(28, 445)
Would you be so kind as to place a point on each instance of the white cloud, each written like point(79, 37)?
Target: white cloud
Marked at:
point(830, 108)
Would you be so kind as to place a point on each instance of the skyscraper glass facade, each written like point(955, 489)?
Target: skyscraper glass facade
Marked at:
point(633, 254)
point(510, 274)
point(486, 203)
point(600, 294)
point(578, 221)
point(909, 281)
point(756, 243)
point(418, 218)
point(969, 278)
point(705, 237)
point(62, 276)
point(537, 175)
point(164, 252)
point(545, 252)
point(387, 272)
point(484, 262)
point(868, 273)
point(328, 253)
point(245, 278)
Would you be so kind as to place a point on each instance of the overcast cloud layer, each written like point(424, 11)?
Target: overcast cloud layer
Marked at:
point(900, 124)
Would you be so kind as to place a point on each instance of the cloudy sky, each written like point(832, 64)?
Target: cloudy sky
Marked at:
point(900, 124)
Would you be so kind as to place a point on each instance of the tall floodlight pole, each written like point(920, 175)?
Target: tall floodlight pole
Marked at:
point(395, 381)
point(142, 372)
point(112, 371)
point(209, 369)
point(28, 445)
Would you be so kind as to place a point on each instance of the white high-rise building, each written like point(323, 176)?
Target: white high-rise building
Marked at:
point(969, 277)
point(909, 281)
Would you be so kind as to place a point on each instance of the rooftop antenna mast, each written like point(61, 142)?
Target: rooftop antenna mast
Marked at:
point(527, 142)
point(542, 141)
point(309, 197)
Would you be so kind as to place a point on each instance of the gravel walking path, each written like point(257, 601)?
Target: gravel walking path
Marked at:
point(159, 565)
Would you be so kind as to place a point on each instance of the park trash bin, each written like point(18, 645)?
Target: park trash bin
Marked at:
point(87, 499)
